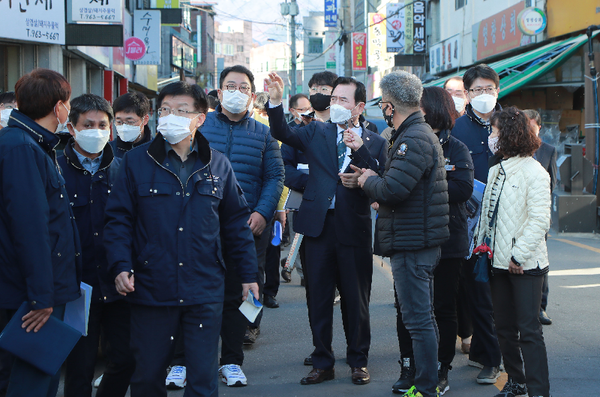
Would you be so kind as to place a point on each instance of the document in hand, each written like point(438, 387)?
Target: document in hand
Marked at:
point(294, 198)
point(474, 212)
point(46, 349)
point(251, 307)
point(77, 312)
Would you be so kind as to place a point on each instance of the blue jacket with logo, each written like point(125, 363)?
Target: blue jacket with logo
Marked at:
point(254, 156)
point(40, 260)
point(88, 195)
point(171, 233)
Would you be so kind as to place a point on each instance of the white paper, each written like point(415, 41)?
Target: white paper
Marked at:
point(251, 307)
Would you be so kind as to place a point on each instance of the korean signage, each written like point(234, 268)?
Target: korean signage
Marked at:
point(376, 46)
point(395, 27)
point(498, 33)
point(97, 11)
point(419, 37)
point(134, 48)
point(532, 21)
point(445, 55)
point(164, 3)
point(42, 21)
point(330, 55)
point(146, 26)
point(359, 51)
point(331, 13)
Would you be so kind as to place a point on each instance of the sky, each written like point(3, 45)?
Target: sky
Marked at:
point(268, 11)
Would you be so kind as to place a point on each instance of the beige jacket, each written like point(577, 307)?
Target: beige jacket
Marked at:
point(523, 214)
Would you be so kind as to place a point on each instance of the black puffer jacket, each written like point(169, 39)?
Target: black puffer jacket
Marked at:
point(459, 174)
point(413, 192)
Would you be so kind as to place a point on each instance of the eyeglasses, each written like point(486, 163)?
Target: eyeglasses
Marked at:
point(7, 106)
point(244, 88)
point(320, 89)
point(459, 93)
point(130, 123)
point(481, 90)
point(301, 110)
point(177, 112)
point(380, 104)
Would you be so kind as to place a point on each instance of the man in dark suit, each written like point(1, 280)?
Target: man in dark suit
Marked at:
point(546, 155)
point(335, 219)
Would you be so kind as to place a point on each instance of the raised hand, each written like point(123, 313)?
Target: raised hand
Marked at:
point(275, 86)
point(352, 140)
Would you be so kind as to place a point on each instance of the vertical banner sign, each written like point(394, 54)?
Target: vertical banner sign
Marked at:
point(199, 38)
point(97, 11)
point(376, 46)
point(408, 29)
point(39, 21)
point(331, 13)
point(146, 26)
point(419, 33)
point(330, 55)
point(359, 51)
point(395, 27)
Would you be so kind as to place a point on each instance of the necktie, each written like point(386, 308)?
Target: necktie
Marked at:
point(341, 151)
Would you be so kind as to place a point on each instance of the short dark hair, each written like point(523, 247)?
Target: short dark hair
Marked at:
point(294, 100)
point(262, 98)
point(39, 91)
point(455, 78)
point(480, 71)
point(132, 102)
point(186, 89)
point(86, 103)
point(323, 78)
point(360, 92)
point(533, 115)
point(237, 69)
point(516, 136)
point(8, 97)
point(440, 112)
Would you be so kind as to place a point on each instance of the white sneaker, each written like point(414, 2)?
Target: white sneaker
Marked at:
point(232, 375)
point(97, 381)
point(176, 379)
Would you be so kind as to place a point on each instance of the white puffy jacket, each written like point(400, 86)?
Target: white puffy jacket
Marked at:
point(523, 214)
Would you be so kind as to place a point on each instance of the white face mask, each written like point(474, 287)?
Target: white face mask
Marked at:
point(92, 141)
point(5, 116)
point(174, 128)
point(459, 104)
point(493, 143)
point(484, 103)
point(235, 102)
point(61, 126)
point(129, 133)
point(339, 114)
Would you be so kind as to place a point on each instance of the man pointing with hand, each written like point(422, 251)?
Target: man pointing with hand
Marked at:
point(335, 219)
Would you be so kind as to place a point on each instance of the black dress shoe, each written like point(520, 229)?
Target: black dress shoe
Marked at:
point(251, 335)
point(308, 361)
point(544, 319)
point(270, 302)
point(286, 276)
point(360, 375)
point(317, 376)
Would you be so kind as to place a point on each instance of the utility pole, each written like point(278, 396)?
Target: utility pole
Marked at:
point(292, 10)
point(347, 25)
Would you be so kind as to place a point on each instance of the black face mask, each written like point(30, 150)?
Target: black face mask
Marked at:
point(388, 119)
point(320, 102)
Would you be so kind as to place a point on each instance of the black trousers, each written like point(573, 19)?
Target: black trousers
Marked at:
point(463, 312)
point(484, 345)
point(445, 292)
point(516, 309)
point(153, 329)
point(112, 321)
point(234, 323)
point(545, 291)
point(330, 263)
point(6, 359)
point(272, 266)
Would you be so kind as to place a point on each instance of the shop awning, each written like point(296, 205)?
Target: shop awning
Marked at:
point(519, 70)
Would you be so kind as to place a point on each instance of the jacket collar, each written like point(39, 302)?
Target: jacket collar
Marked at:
point(444, 136)
point(222, 117)
point(513, 164)
point(127, 146)
point(46, 139)
point(71, 156)
point(471, 113)
point(415, 118)
point(157, 150)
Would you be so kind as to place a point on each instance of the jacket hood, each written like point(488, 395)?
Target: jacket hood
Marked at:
point(46, 139)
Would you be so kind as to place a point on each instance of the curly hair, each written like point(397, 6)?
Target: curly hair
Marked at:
point(516, 137)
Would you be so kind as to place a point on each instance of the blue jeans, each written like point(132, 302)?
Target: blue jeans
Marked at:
point(413, 276)
point(27, 380)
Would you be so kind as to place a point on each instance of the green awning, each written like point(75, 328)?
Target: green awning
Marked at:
point(517, 71)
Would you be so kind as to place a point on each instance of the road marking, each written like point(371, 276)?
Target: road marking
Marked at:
point(587, 247)
point(592, 271)
point(581, 286)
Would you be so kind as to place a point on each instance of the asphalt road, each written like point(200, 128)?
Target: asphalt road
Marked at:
point(274, 364)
